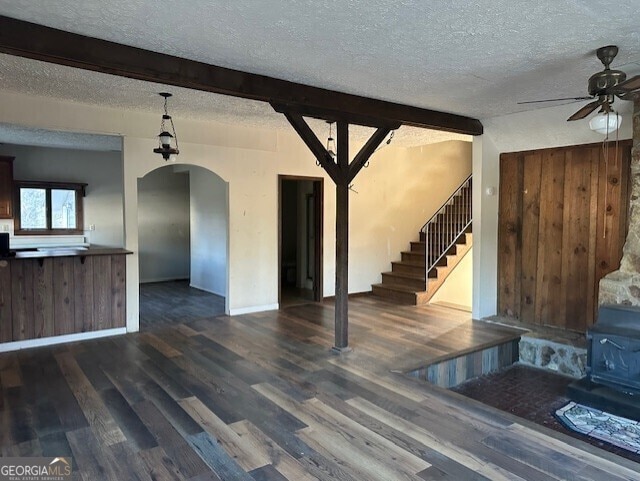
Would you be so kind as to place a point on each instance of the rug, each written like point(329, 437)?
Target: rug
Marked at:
point(621, 432)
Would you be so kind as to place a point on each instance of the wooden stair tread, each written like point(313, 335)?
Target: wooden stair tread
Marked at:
point(407, 263)
point(398, 292)
point(395, 287)
point(404, 275)
point(447, 242)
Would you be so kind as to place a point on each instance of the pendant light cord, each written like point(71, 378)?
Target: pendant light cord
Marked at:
point(605, 154)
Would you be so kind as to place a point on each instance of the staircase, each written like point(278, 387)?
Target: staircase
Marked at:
point(421, 271)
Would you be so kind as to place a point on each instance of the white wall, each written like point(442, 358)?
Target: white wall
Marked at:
point(536, 129)
point(102, 171)
point(163, 223)
point(398, 192)
point(209, 231)
point(456, 291)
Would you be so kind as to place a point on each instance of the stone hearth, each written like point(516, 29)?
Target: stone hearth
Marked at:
point(543, 353)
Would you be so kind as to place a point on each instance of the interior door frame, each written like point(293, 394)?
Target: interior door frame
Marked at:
point(318, 183)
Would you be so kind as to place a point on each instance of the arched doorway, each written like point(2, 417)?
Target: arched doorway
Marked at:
point(183, 220)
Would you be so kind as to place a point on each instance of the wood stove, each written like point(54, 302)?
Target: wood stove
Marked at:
point(613, 349)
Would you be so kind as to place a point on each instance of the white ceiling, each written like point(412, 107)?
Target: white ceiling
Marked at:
point(472, 58)
point(15, 134)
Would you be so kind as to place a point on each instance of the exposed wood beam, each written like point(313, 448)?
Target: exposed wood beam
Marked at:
point(334, 116)
point(38, 42)
point(342, 239)
point(315, 146)
point(342, 173)
point(366, 151)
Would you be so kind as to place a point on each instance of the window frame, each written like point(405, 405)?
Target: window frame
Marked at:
point(80, 190)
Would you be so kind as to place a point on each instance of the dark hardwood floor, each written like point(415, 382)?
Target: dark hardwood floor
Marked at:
point(172, 302)
point(293, 296)
point(261, 397)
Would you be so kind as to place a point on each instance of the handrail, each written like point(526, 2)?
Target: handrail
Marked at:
point(449, 222)
point(447, 201)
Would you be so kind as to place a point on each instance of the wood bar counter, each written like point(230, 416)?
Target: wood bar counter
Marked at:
point(61, 291)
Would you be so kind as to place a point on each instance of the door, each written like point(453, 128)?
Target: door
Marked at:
point(300, 240)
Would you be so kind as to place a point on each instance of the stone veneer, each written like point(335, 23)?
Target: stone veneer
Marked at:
point(553, 356)
point(623, 286)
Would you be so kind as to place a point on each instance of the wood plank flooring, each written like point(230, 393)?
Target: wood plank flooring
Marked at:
point(173, 302)
point(260, 397)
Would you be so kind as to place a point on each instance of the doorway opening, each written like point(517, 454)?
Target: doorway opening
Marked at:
point(183, 232)
point(300, 221)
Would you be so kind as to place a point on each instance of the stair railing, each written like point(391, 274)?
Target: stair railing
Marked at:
point(447, 224)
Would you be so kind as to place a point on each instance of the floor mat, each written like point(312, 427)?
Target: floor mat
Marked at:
point(621, 432)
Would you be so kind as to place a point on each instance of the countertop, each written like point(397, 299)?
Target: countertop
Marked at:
point(69, 252)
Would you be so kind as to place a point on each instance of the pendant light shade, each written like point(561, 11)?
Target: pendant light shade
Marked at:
point(606, 122)
point(165, 138)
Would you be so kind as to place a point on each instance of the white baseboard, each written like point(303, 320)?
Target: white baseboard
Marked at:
point(452, 305)
point(50, 341)
point(163, 279)
point(196, 286)
point(252, 309)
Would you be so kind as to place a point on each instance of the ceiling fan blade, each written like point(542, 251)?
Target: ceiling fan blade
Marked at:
point(587, 109)
point(553, 100)
point(627, 86)
point(626, 96)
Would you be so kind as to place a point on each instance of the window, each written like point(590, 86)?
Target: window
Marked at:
point(48, 208)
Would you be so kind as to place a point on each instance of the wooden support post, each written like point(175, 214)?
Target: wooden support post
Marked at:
point(342, 173)
point(342, 268)
point(342, 241)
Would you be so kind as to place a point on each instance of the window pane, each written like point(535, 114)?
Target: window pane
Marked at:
point(63, 209)
point(33, 208)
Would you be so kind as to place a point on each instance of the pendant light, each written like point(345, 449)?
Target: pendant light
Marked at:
point(606, 122)
point(331, 144)
point(165, 148)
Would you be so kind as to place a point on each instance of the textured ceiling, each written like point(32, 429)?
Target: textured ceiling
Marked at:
point(13, 134)
point(472, 58)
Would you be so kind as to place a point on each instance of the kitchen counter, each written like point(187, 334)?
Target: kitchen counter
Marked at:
point(63, 291)
point(68, 252)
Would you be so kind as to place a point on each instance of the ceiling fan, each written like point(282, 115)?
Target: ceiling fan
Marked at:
point(604, 86)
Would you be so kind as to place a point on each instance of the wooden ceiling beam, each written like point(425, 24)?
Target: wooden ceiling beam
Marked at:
point(342, 173)
point(367, 150)
point(335, 116)
point(47, 44)
point(315, 146)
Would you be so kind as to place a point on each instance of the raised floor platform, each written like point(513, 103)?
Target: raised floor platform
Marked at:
point(460, 367)
point(549, 348)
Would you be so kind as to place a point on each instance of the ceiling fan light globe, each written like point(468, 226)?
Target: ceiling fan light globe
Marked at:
point(605, 123)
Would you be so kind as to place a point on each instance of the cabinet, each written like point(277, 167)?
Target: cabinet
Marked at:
point(44, 294)
point(6, 187)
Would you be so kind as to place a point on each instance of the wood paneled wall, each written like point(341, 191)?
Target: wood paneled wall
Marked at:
point(61, 295)
point(562, 224)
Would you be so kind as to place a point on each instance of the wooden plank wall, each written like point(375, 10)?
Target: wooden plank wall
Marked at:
point(561, 226)
point(61, 295)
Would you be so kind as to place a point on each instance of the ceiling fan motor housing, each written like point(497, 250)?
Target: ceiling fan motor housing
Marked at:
point(601, 81)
